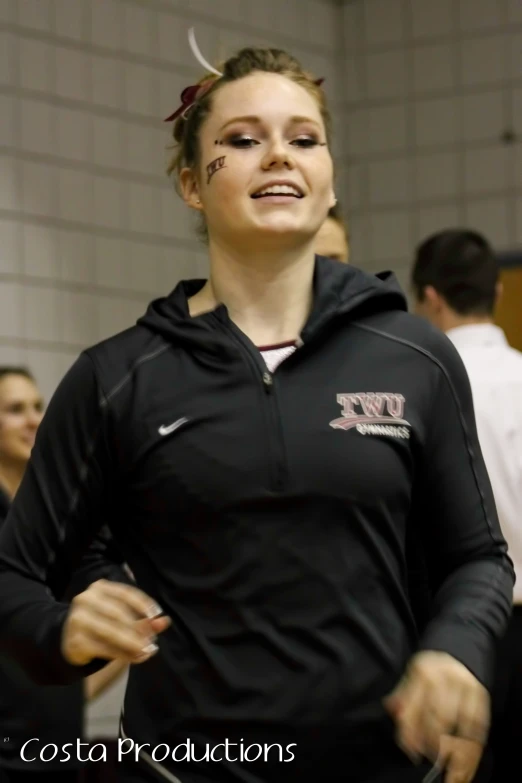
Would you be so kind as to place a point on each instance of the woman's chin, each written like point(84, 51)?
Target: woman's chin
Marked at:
point(279, 225)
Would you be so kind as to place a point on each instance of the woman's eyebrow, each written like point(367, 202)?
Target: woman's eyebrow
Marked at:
point(254, 120)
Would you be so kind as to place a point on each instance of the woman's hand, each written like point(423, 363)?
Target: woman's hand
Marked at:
point(442, 712)
point(112, 621)
point(460, 758)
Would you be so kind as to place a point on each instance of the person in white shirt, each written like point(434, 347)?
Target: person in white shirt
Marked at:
point(455, 280)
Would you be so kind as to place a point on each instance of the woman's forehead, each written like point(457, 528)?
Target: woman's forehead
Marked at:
point(17, 387)
point(268, 96)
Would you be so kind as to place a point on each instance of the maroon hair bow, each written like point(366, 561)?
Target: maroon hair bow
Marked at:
point(191, 94)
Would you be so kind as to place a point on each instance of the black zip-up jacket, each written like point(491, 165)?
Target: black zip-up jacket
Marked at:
point(268, 515)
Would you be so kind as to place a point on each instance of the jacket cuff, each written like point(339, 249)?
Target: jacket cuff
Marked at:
point(466, 643)
point(56, 670)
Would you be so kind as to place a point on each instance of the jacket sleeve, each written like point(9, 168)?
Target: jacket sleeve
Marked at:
point(466, 553)
point(54, 518)
point(103, 560)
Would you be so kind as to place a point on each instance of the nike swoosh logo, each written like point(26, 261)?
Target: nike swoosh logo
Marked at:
point(167, 429)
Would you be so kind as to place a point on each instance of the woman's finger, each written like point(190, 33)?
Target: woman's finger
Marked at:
point(83, 629)
point(409, 725)
point(110, 609)
point(460, 758)
point(97, 648)
point(160, 624)
point(132, 597)
point(439, 717)
point(474, 715)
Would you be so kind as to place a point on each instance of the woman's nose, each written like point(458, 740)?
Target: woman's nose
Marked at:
point(278, 155)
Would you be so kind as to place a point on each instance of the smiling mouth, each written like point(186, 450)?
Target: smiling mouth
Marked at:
point(278, 190)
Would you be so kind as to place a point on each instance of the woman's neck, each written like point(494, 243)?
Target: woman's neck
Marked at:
point(269, 298)
point(10, 478)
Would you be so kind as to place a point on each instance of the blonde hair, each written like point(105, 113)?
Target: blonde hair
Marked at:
point(335, 213)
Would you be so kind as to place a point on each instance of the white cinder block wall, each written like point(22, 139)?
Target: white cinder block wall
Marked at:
point(90, 228)
point(433, 88)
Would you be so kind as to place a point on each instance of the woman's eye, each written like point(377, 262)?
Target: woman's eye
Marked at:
point(242, 141)
point(305, 141)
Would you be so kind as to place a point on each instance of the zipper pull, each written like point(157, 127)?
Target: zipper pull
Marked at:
point(267, 381)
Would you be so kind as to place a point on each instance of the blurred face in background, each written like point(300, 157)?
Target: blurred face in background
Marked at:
point(21, 411)
point(331, 241)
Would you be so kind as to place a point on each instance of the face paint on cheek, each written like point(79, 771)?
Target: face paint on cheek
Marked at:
point(216, 165)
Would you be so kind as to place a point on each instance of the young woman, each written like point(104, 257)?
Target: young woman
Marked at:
point(54, 715)
point(261, 442)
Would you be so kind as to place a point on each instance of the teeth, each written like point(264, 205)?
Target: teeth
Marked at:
point(279, 190)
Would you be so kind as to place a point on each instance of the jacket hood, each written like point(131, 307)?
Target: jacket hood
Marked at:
point(340, 290)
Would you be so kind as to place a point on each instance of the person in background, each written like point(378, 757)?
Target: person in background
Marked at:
point(455, 280)
point(53, 714)
point(331, 240)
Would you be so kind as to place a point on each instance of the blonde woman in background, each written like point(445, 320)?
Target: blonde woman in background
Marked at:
point(53, 714)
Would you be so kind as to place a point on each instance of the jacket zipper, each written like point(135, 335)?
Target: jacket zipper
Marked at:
point(276, 445)
point(275, 429)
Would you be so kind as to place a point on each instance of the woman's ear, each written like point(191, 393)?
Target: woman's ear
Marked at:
point(190, 189)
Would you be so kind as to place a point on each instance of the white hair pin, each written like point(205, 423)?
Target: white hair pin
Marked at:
point(191, 94)
point(197, 53)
